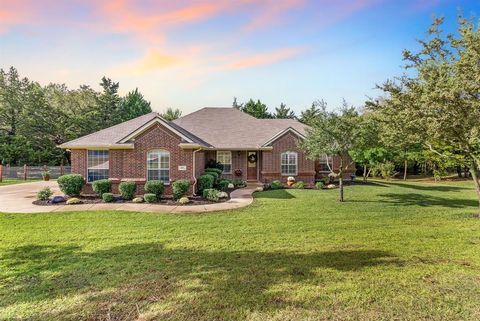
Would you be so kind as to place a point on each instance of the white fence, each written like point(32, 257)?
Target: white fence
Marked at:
point(33, 172)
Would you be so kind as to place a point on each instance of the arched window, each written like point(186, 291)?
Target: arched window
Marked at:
point(288, 163)
point(158, 165)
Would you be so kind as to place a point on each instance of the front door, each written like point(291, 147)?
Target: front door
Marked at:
point(252, 161)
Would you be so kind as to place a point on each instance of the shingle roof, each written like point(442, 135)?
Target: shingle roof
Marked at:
point(221, 128)
point(229, 128)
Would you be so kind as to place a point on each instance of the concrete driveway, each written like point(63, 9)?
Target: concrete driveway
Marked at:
point(18, 198)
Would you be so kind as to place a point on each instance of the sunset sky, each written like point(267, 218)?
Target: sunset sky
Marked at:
point(190, 54)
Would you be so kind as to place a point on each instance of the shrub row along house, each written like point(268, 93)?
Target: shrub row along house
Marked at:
point(152, 148)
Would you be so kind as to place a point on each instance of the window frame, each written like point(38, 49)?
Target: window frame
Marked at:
point(325, 160)
point(288, 153)
point(90, 167)
point(225, 152)
point(159, 151)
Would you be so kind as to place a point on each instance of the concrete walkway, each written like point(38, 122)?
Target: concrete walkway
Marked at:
point(18, 198)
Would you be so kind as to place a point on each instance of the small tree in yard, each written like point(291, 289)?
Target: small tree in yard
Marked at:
point(333, 134)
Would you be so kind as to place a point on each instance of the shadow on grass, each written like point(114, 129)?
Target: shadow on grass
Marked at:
point(121, 282)
point(433, 187)
point(413, 199)
point(278, 194)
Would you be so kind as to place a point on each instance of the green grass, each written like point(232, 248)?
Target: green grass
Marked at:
point(9, 181)
point(393, 251)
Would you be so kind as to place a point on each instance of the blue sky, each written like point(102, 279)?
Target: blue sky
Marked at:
point(190, 54)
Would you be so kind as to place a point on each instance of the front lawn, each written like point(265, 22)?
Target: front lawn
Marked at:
point(393, 251)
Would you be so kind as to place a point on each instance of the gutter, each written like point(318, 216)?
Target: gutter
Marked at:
point(194, 177)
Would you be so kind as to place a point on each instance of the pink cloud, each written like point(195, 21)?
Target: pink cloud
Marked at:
point(266, 58)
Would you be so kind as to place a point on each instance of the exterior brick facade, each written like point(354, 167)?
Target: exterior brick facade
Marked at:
point(131, 164)
point(271, 161)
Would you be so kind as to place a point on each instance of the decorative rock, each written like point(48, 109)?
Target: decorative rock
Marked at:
point(138, 200)
point(73, 201)
point(222, 195)
point(231, 186)
point(183, 200)
point(58, 199)
point(259, 189)
point(330, 186)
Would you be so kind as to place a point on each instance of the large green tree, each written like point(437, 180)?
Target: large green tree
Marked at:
point(256, 108)
point(309, 115)
point(333, 133)
point(134, 105)
point(283, 112)
point(443, 91)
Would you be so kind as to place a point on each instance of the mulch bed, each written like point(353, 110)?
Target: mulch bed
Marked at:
point(93, 199)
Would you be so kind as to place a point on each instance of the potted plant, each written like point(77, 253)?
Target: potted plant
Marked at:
point(290, 180)
point(46, 175)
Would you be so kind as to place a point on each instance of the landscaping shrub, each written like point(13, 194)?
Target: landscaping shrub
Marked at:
point(211, 163)
point(299, 185)
point(155, 187)
point(108, 197)
point(73, 201)
point(183, 200)
point(205, 182)
point(387, 170)
point(127, 190)
point(150, 197)
point(71, 184)
point(276, 184)
point(215, 170)
point(214, 175)
point(319, 185)
point(44, 194)
point(102, 186)
point(223, 184)
point(211, 194)
point(180, 188)
point(238, 182)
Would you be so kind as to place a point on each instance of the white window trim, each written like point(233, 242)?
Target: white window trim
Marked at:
point(91, 150)
point(231, 160)
point(296, 163)
point(169, 170)
point(327, 160)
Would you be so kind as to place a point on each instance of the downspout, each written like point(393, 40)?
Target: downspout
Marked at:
point(194, 176)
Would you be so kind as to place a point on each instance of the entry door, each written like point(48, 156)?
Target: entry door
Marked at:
point(252, 161)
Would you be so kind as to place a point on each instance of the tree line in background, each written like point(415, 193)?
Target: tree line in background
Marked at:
point(34, 119)
point(428, 119)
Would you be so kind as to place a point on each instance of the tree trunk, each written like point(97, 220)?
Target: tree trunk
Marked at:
point(340, 179)
point(459, 171)
point(364, 172)
point(474, 173)
point(405, 166)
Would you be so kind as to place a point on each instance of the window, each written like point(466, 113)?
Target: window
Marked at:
point(289, 163)
point(225, 158)
point(324, 162)
point(158, 165)
point(97, 165)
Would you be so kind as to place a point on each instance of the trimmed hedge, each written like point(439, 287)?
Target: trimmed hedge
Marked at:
point(319, 185)
point(108, 197)
point(299, 185)
point(205, 182)
point(223, 184)
point(211, 194)
point(155, 187)
point(180, 188)
point(238, 182)
point(102, 186)
point(276, 185)
point(71, 184)
point(150, 197)
point(215, 170)
point(127, 190)
point(215, 176)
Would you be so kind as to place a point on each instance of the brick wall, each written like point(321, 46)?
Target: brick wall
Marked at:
point(270, 169)
point(132, 164)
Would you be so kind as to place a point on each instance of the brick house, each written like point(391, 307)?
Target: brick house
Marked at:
point(150, 147)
